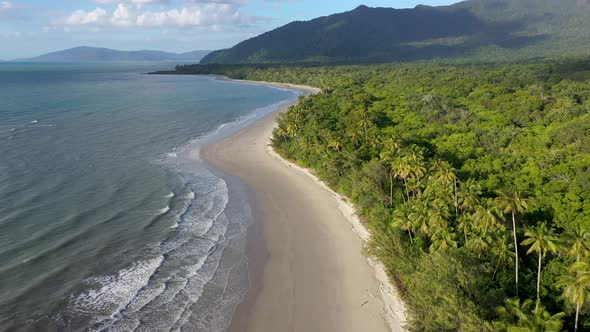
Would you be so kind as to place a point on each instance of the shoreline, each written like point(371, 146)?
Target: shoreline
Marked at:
point(387, 304)
point(393, 305)
point(307, 90)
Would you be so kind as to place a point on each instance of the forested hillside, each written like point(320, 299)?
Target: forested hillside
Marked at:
point(474, 29)
point(99, 54)
point(474, 181)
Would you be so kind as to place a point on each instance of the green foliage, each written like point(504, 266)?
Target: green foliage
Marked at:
point(454, 167)
point(475, 29)
point(528, 317)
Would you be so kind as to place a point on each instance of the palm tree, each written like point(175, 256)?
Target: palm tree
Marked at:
point(468, 195)
point(530, 316)
point(443, 239)
point(389, 157)
point(577, 241)
point(402, 220)
point(446, 176)
point(576, 286)
point(437, 216)
point(513, 312)
point(392, 144)
point(540, 240)
point(512, 203)
point(403, 170)
point(280, 132)
point(291, 128)
point(485, 218)
point(364, 123)
point(335, 142)
point(479, 243)
point(465, 224)
point(374, 139)
point(415, 157)
point(543, 321)
point(421, 217)
point(503, 252)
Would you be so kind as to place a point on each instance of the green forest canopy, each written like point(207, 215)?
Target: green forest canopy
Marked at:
point(450, 165)
point(475, 29)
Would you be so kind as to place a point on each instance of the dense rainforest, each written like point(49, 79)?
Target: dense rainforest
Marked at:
point(474, 181)
point(473, 29)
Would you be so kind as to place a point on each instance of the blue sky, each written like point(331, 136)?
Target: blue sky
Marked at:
point(34, 27)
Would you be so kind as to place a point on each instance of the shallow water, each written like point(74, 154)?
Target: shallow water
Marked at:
point(108, 219)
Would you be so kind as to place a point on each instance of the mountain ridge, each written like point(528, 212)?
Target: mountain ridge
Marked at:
point(507, 29)
point(101, 54)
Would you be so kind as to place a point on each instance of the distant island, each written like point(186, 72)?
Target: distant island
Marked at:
point(97, 54)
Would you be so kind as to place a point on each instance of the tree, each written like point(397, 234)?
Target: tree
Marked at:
point(503, 252)
point(389, 156)
point(291, 125)
point(443, 239)
point(576, 286)
point(437, 215)
point(479, 243)
point(415, 158)
point(468, 195)
point(401, 219)
point(513, 203)
point(445, 176)
point(540, 240)
point(577, 241)
point(335, 142)
point(403, 170)
point(485, 217)
point(530, 316)
point(465, 224)
point(421, 217)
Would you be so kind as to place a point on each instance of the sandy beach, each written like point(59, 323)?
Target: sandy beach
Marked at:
point(312, 273)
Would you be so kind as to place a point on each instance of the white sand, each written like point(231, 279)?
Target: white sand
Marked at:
point(316, 277)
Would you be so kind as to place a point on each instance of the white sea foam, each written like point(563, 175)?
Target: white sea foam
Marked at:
point(35, 121)
point(164, 210)
point(111, 294)
point(163, 294)
point(158, 295)
point(190, 195)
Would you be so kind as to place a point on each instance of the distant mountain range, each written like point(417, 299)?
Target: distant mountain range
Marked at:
point(96, 54)
point(480, 29)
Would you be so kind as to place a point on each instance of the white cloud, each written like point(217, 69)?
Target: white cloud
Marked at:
point(205, 15)
point(5, 5)
point(122, 16)
point(81, 17)
point(147, 2)
point(195, 15)
point(135, 2)
point(231, 2)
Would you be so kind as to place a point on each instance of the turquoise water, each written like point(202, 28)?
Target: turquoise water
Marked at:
point(108, 219)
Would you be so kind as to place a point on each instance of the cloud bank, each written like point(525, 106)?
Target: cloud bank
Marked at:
point(132, 13)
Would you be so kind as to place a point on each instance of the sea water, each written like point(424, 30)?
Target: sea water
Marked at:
point(109, 220)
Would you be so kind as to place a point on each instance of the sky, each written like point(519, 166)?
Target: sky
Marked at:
point(33, 27)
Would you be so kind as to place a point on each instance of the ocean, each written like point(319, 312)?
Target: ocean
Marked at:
point(109, 219)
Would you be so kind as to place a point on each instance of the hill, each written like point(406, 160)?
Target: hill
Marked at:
point(482, 29)
point(95, 54)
